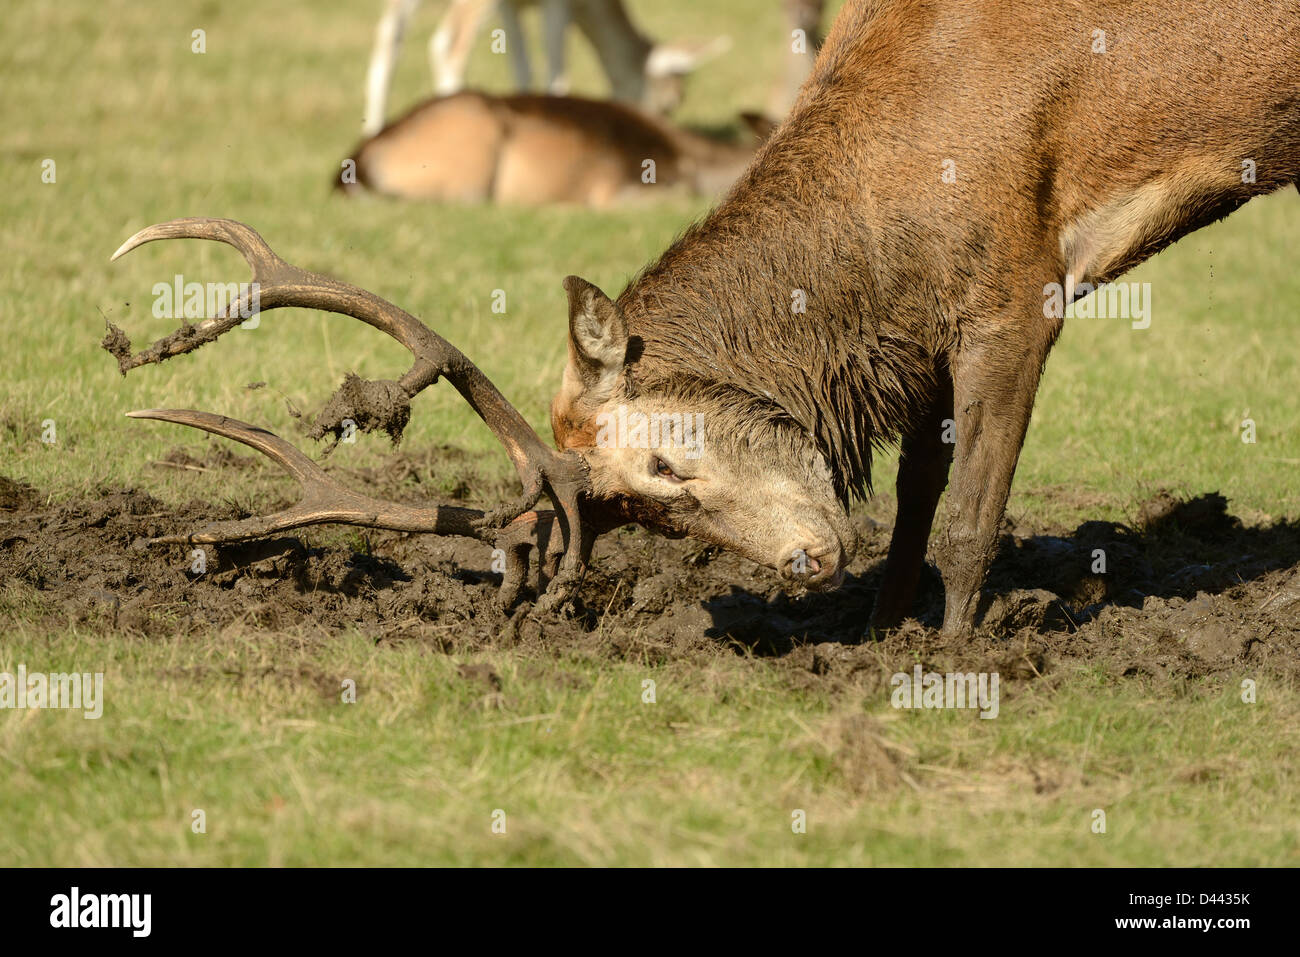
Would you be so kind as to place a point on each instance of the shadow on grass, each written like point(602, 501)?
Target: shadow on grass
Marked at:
point(1051, 583)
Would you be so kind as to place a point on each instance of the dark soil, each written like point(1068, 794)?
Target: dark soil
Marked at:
point(1189, 592)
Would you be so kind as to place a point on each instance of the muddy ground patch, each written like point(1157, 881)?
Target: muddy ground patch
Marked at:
point(1186, 592)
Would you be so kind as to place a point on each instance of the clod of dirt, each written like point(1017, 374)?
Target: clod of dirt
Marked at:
point(118, 345)
point(15, 494)
point(1204, 633)
point(271, 558)
point(484, 674)
point(1024, 666)
point(826, 656)
point(369, 404)
point(1213, 642)
point(1285, 601)
point(1034, 608)
point(651, 595)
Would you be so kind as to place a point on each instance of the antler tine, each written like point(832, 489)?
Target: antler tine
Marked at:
point(324, 500)
point(259, 256)
point(265, 264)
point(542, 470)
point(279, 283)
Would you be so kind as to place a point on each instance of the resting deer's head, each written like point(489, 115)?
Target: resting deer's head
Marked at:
point(667, 65)
point(690, 459)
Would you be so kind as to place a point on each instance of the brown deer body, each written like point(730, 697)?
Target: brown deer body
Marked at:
point(531, 149)
point(925, 297)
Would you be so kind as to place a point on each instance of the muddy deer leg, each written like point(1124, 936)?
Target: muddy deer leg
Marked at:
point(922, 475)
point(995, 379)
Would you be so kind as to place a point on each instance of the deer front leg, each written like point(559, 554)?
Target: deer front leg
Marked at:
point(995, 379)
point(516, 45)
point(556, 15)
point(452, 42)
point(379, 76)
point(922, 475)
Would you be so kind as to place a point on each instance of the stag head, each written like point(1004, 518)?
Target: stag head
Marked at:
point(704, 466)
point(693, 459)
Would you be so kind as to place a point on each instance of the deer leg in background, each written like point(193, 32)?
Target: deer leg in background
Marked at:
point(556, 17)
point(995, 379)
point(379, 78)
point(922, 475)
point(451, 43)
point(799, 51)
point(622, 50)
point(516, 45)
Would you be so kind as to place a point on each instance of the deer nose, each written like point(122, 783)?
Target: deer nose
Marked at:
point(814, 567)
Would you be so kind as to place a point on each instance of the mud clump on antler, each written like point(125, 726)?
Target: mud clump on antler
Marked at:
point(516, 528)
point(118, 345)
point(371, 405)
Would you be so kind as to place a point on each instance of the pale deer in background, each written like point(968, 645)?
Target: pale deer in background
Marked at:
point(640, 72)
point(530, 149)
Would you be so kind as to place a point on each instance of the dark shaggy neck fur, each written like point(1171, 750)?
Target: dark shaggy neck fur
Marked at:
point(714, 318)
point(824, 208)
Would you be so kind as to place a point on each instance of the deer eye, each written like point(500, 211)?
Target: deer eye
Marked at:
point(665, 471)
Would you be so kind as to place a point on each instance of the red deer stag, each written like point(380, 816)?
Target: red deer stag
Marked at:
point(924, 290)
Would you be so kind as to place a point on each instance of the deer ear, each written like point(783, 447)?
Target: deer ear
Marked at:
point(597, 336)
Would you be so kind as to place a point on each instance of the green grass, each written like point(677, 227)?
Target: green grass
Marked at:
point(253, 732)
point(142, 130)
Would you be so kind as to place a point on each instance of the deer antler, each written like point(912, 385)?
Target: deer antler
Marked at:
point(515, 526)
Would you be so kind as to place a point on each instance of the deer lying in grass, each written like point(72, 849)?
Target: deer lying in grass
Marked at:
point(922, 292)
point(648, 75)
point(531, 149)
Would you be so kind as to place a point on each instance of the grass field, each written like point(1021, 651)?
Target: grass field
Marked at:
point(247, 723)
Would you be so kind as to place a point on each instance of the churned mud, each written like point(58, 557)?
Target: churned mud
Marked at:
point(1187, 592)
